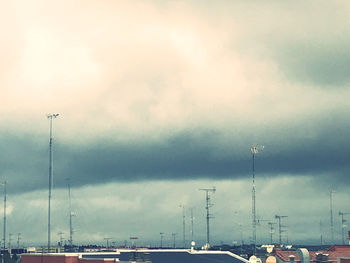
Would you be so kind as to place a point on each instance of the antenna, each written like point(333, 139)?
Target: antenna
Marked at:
point(280, 227)
point(331, 213)
point(4, 236)
point(208, 205)
point(343, 226)
point(50, 117)
point(107, 240)
point(173, 235)
point(61, 238)
point(70, 215)
point(272, 230)
point(18, 239)
point(183, 225)
point(255, 150)
point(161, 239)
point(192, 218)
point(10, 239)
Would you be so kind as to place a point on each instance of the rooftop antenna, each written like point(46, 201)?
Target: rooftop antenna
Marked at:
point(321, 237)
point(255, 150)
point(343, 226)
point(280, 227)
point(4, 183)
point(331, 213)
point(173, 235)
point(192, 218)
point(183, 225)
point(61, 238)
point(18, 239)
point(208, 205)
point(70, 216)
point(161, 239)
point(10, 239)
point(272, 230)
point(107, 240)
point(50, 117)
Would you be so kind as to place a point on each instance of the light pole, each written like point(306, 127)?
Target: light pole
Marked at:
point(50, 117)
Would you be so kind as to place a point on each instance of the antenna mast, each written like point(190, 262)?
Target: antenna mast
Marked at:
point(4, 236)
point(343, 225)
point(50, 117)
point(271, 224)
point(255, 150)
point(183, 225)
point(70, 218)
point(331, 213)
point(280, 226)
point(192, 218)
point(208, 205)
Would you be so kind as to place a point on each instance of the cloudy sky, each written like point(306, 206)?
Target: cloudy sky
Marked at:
point(160, 98)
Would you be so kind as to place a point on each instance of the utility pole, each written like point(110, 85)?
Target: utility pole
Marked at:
point(50, 117)
point(183, 225)
point(331, 214)
point(173, 235)
point(343, 225)
point(4, 234)
point(280, 230)
point(272, 230)
point(255, 150)
point(161, 239)
point(208, 205)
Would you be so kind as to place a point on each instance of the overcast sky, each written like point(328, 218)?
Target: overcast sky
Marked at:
point(160, 98)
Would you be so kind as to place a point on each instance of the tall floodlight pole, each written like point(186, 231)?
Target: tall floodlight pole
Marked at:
point(50, 117)
point(70, 217)
point(4, 236)
point(342, 214)
point(331, 213)
point(183, 225)
point(208, 205)
point(255, 150)
point(192, 218)
point(280, 230)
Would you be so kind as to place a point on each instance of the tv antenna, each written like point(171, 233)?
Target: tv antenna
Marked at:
point(343, 226)
point(50, 117)
point(183, 225)
point(4, 183)
point(280, 227)
point(161, 239)
point(331, 213)
point(207, 207)
point(255, 149)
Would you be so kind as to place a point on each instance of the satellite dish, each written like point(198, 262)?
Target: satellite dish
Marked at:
point(269, 249)
point(253, 259)
point(271, 259)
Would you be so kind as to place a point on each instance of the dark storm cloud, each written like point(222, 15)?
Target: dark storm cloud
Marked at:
point(187, 155)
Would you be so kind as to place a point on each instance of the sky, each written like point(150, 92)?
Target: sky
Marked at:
point(158, 99)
